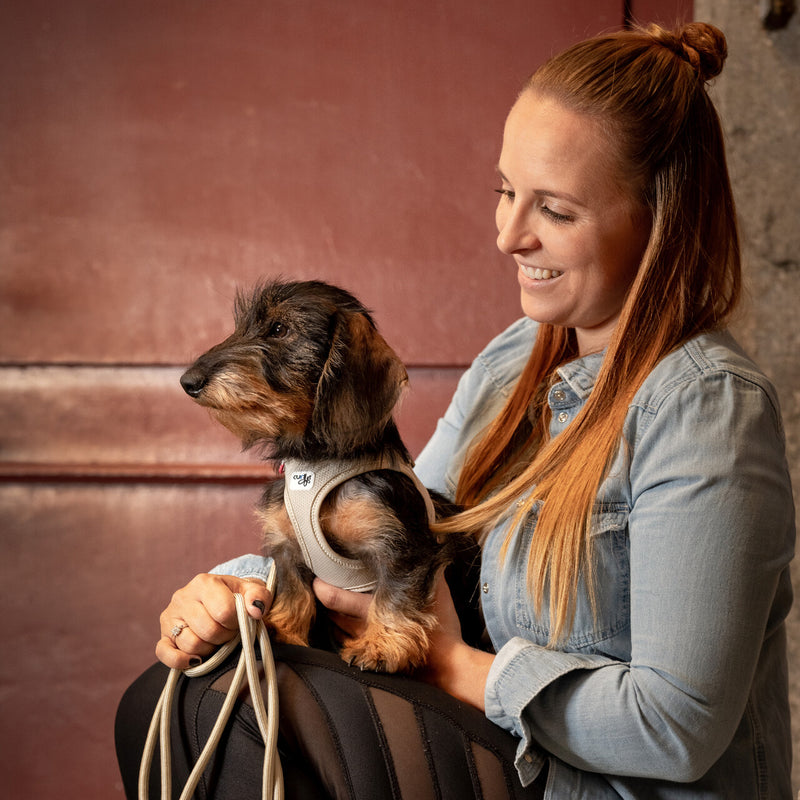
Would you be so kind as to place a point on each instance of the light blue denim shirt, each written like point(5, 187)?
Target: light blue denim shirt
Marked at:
point(680, 688)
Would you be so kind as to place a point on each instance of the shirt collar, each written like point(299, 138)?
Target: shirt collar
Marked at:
point(581, 374)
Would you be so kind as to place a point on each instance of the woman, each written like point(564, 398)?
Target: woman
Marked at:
point(618, 456)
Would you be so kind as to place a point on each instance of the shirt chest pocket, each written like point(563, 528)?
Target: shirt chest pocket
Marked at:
point(609, 633)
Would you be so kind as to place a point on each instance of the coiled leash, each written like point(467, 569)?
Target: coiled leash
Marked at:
point(266, 713)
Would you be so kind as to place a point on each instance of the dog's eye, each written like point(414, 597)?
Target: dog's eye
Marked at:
point(277, 330)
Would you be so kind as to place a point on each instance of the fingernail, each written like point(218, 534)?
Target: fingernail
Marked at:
point(195, 661)
point(259, 605)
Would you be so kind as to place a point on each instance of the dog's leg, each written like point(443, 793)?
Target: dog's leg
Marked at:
point(392, 641)
point(380, 519)
point(401, 617)
point(294, 606)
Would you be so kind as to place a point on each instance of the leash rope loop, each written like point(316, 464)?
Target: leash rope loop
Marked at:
point(266, 711)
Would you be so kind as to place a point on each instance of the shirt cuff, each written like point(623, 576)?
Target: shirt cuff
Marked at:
point(519, 672)
point(249, 566)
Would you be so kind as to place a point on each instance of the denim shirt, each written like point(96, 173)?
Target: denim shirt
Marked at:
point(679, 688)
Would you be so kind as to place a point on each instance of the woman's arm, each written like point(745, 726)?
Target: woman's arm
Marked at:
point(452, 665)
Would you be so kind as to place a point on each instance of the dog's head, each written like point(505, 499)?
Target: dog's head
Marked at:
point(305, 373)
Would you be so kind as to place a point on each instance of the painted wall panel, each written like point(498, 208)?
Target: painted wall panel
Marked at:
point(664, 12)
point(85, 572)
point(157, 154)
point(104, 418)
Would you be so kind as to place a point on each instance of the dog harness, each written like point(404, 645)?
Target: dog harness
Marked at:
point(307, 486)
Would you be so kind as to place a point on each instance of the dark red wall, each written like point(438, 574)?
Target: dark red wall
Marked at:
point(153, 156)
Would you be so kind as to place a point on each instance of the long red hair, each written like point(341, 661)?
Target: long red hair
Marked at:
point(647, 89)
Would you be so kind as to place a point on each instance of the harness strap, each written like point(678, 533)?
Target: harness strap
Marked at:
point(306, 487)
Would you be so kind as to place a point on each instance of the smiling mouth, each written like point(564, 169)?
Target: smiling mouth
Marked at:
point(537, 274)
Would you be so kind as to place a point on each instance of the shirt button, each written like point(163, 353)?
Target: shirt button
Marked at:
point(563, 416)
point(486, 588)
point(528, 757)
point(559, 394)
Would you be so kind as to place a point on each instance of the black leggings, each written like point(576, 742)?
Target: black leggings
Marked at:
point(344, 734)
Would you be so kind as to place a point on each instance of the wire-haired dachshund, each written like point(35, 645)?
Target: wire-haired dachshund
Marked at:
point(307, 378)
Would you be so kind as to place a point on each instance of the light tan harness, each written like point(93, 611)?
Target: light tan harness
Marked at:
point(307, 486)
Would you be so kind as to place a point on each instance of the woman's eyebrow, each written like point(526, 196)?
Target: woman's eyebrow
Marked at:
point(543, 192)
point(558, 196)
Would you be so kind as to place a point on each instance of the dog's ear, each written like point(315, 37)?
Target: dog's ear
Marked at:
point(359, 387)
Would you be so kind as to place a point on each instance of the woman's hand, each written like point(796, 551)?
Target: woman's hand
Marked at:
point(452, 664)
point(202, 615)
point(346, 610)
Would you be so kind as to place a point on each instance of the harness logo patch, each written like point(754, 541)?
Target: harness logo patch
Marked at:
point(301, 481)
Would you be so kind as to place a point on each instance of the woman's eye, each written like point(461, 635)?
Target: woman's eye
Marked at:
point(277, 330)
point(506, 193)
point(556, 217)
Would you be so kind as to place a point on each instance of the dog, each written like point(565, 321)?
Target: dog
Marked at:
point(307, 378)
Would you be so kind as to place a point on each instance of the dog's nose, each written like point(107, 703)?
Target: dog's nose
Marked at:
point(193, 382)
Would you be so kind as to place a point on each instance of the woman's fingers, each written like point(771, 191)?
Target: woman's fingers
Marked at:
point(257, 599)
point(169, 655)
point(202, 615)
point(346, 610)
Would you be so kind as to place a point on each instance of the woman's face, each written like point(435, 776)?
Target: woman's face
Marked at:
point(566, 217)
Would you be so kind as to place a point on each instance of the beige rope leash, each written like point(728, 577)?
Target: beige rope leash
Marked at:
point(266, 713)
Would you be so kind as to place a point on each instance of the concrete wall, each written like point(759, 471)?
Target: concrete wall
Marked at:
point(758, 96)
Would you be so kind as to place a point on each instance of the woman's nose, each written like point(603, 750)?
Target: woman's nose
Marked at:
point(515, 231)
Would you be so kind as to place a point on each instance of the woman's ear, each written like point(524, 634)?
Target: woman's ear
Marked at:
point(360, 385)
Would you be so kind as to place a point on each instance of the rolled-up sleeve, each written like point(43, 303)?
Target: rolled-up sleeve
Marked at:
point(247, 566)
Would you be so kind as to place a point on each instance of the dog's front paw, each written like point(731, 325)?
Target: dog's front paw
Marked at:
point(383, 649)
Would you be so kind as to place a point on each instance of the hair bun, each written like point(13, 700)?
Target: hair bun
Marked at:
point(699, 43)
point(705, 47)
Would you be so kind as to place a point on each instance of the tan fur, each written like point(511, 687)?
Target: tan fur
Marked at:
point(237, 400)
point(275, 523)
point(352, 518)
point(391, 643)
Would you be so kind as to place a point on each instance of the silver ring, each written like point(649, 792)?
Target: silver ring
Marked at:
point(176, 629)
